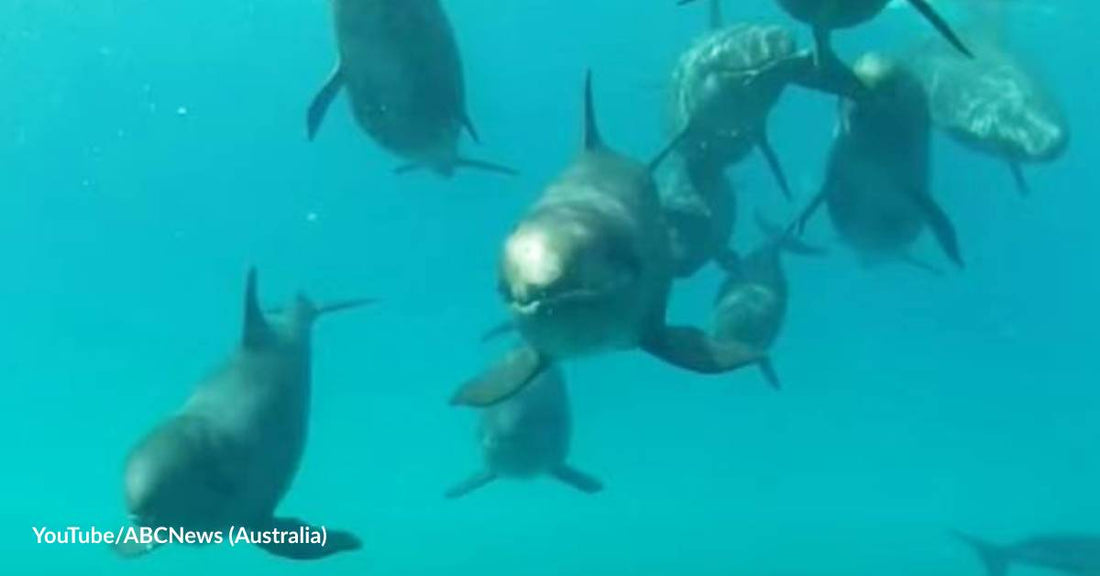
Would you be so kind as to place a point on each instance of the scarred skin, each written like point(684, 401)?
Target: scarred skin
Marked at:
point(727, 83)
point(991, 104)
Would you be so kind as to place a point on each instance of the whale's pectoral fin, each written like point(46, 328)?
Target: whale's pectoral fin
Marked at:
point(323, 100)
point(1018, 177)
point(466, 163)
point(785, 239)
point(131, 549)
point(502, 381)
point(811, 209)
point(470, 128)
point(505, 327)
point(484, 166)
point(335, 541)
point(830, 73)
point(577, 479)
point(776, 167)
point(804, 70)
point(691, 349)
point(941, 226)
point(994, 557)
point(672, 146)
point(767, 369)
point(940, 25)
point(473, 483)
point(915, 262)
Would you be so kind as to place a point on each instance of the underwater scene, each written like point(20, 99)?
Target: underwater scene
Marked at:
point(532, 288)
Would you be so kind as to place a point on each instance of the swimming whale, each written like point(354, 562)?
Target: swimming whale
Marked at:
point(751, 305)
point(400, 65)
point(877, 182)
point(825, 16)
point(726, 84)
point(1075, 554)
point(588, 270)
point(700, 208)
point(993, 104)
point(526, 436)
point(227, 458)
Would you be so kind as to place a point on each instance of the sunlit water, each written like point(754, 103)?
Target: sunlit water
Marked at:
point(151, 151)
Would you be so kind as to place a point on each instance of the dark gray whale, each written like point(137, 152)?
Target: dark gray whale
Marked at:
point(230, 454)
point(589, 270)
point(401, 68)
point(1075, 554)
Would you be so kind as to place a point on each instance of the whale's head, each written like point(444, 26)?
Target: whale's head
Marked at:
point(571, 284)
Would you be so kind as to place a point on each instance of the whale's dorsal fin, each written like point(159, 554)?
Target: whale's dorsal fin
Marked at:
point(592, 138)
point(256, 330)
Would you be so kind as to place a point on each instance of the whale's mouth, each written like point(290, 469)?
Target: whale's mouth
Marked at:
point(547, 303)
point(562, 266)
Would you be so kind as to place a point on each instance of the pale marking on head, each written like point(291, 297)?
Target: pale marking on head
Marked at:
point(535, 263)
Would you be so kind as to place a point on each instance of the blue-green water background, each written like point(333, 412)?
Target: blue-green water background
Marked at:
point(151, 151)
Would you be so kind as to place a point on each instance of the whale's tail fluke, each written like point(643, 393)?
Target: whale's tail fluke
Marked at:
point(995, 558)
point(305, 312)
point(576, 479)
point(474, 483)
point(335, 307)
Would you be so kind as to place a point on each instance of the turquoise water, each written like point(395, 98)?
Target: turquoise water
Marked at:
point(151, 152)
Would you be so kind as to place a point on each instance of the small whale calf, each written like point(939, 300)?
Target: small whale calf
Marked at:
point(1075, 554)
point(528, 435)
point(589, 270)
point(400, 65)
point(230, 454)
point(751, 305)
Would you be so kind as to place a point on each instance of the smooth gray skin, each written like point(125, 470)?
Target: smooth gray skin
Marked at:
point(588, 270)
point(992, 104)
point(751, 305)
point(700, 207)
point(230, 454)
point(834, 14)
point(877, 182)
point(527, 436)
point(1076, 554)
point(400, 65)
